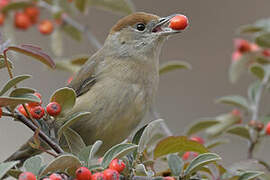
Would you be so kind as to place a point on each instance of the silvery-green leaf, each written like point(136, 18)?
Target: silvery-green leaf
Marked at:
point(201, 161)
point(74, 141)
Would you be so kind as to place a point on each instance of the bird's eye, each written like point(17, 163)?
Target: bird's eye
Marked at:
point(140, 26)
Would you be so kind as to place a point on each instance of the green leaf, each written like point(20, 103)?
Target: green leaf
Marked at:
point(14, 173)
point(14, 101)
point(201, 125)
point(72, 32)
point(237, 68)
point(257, 70)
point(81, 5)
point(61, 164)
point(250, 175)
point(74, 141)
point(215, 143)
point(3, 64)
point(57, 42)
point(79, 60)
point(201, 161)
point(173, 65)
point(67, 66)
point(6, 166)
point(263, 40)
point(225, 122)
point(84, 154)
point(253, 91)
point(235, 100)
point(118, 6)
point(176, 164)
point(117, 151)
point(12, 82)
point(93, 151)
point(34, 52)
point(241, 131)
point(15, 5)
point(66, 97)
point(136, 138)
point(20, 91)
point(177, 144)
point(140, 170)
point(250, 29)
point(245, 165)
point(153, 131)
point(33, 164)
point(72, 119)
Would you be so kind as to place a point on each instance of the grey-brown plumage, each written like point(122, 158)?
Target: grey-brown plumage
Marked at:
point(117, 85)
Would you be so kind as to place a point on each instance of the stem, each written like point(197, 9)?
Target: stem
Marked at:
point(41, 134)
point(255, 113)
point(7, 65)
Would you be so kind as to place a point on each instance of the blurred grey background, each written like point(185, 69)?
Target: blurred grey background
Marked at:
point(184, 96)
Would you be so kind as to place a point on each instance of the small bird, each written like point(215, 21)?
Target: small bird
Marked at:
point(118, 84)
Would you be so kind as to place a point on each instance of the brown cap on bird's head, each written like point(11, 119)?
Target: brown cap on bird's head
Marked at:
point(132, 19)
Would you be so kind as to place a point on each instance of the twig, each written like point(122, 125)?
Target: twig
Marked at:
point(41, 134)
point(67, 19)
point(255, 113)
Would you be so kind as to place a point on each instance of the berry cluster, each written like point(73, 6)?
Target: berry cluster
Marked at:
point(243, 46)
point(37, 111)
point(26, 18)
point(83, 173)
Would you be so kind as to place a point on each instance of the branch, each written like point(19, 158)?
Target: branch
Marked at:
point(255, 113)
point(41, 134)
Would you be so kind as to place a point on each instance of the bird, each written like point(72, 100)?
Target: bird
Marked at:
point(119, 83)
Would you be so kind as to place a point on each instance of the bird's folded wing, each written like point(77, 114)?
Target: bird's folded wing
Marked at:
point(86, 77)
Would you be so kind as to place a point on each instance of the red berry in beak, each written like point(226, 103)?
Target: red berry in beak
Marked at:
point(179, 22)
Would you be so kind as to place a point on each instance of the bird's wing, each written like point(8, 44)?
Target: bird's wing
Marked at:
point(86, 77)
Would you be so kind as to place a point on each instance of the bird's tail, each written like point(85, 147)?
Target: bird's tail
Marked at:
point(23, 153)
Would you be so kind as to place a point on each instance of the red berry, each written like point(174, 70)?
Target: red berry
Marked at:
point(37, 112)
point(242, 45)
point(267, 129)
point(83, 173)
point(168, 178)
point(1, 112)
point(4, 3)
point(178, 22)
point(236, 56)
point(197, 139)
point(266, 52)
point(2, 19)
point(53, 109)
point(118, 165)
point(98, 176)
point(238, 114)
point(55, 176)
point(45, 27)
point(189, 155)
point(27, 176)
point(22, 21)
point(32, 12)
point(32, 104)
point(111, 174)
point(70, 79)
point(22, 110)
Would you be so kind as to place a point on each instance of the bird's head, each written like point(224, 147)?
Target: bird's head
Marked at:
point(141, 32)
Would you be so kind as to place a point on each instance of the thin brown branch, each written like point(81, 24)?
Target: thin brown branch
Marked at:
point(41, 134)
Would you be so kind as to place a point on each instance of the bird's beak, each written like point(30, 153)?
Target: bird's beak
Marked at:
point(162, 26)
